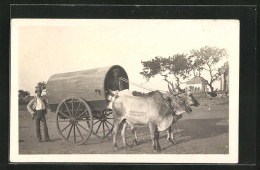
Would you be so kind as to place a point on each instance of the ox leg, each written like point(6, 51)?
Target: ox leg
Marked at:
point(135, 141)
point(123, 130)
point(115, 130)
point(152, 132)
point(170, 135)
point(157, 136)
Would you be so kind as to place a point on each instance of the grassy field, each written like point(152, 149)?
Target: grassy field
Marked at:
point(205, 131)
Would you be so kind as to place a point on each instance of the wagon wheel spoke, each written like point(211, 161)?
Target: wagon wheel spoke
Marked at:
point(79, 132)
point(98, 127)
point(67, 108)
point(64, 114)
point(96, 122)
point(109, 123)
point(103, 129)
point(109, 130)
point(82, 120)
point(72, 111)
point(63, 120)
point(107, 126)
point(69, 132)
point(82, 127)
point(65, 127)
point(74, 132)
point(77, 109)
point(81, 114)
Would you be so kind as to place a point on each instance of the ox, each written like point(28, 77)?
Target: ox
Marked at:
point(181, 93)
point(154, 110)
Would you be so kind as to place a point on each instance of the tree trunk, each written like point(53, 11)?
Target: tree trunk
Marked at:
point(211, 88)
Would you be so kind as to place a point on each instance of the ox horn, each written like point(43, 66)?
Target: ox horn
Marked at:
point(171, 90)
point(179, 89)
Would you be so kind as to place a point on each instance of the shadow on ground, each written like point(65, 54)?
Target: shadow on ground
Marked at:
point(202, 128)
point(189, 130)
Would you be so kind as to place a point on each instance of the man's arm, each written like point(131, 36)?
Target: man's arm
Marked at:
point(29, 107)
point(121, 84)
point(111, 92)
point(47, 106)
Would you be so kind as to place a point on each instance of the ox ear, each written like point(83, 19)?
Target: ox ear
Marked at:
point(166, 96)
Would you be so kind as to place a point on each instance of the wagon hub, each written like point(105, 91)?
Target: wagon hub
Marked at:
point(72, 121)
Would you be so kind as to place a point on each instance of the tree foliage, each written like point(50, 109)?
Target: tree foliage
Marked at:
point(178, 66)
point(22, 94)
point(206, 58)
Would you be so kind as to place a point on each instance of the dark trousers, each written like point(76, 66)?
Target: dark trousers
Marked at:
point(40, 117)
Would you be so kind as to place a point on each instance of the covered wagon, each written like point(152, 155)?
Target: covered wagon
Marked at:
point(79, 100)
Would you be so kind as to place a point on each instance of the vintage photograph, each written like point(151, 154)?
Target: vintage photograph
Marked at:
point(124, 90)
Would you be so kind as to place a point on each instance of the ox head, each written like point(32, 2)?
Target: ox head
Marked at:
point(187, 95)
point(180, 101)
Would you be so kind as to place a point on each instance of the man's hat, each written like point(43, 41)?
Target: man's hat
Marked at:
point(37, 88)
point(116, 70)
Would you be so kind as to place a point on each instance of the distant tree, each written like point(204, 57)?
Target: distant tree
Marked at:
point(206, 59)
point(22, 95)
point(177, 67)
point(196, 65)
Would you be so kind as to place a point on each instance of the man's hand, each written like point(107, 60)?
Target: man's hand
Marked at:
point(33, 115)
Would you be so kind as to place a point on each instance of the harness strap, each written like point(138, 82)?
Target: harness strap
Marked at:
point(173, 112)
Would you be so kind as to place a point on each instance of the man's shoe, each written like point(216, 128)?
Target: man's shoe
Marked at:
point(47, 140)
point(40, 141)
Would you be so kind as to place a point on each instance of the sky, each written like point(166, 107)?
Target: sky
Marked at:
point(50, 46)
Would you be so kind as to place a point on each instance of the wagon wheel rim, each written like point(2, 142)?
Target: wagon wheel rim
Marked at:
point(74, 120)
point(103, 124)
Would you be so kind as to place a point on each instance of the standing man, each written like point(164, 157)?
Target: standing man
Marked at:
point(37, 108)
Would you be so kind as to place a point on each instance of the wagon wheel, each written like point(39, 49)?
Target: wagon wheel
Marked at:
point(74, 120)
point(103, 123)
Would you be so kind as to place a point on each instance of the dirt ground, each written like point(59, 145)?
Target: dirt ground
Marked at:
point(204, 131)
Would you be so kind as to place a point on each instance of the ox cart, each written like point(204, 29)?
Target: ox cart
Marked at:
point(79, 100)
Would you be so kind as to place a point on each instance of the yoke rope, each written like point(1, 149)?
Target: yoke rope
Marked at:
point(140, 85)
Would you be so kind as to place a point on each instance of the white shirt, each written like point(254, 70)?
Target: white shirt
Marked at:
point(40, 104)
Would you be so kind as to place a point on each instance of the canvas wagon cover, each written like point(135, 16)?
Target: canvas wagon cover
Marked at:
point(88, 84)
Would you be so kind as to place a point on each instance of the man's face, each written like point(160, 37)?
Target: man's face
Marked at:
point(38, 93)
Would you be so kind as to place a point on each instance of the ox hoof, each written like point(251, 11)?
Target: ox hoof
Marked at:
point(171, 141)
point(156, 151)
point(135, 142)
point(126, 147)
point(159, 149)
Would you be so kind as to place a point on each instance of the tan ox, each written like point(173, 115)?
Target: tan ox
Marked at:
point(154, 110)
point(191, 101)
